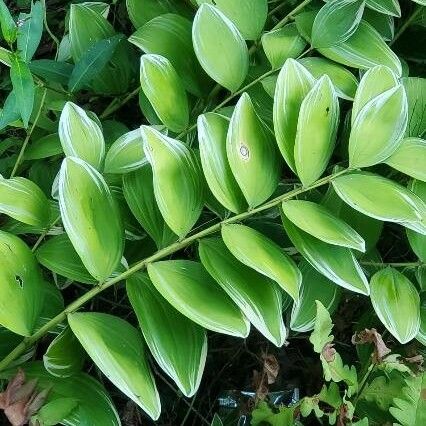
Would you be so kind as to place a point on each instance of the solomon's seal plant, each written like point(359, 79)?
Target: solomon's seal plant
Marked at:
point(193, 190)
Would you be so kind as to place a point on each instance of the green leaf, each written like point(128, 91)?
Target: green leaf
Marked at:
point(380, 198)
point(174, 166)
point(374, 82)
point(21, 291)
point(91, 217)
point(23, 200)
point(387, 7)
point(189, 288)
point(178, 345)
point(384, 24)
point(59, 256)
point(336, 21)
point(281, 44)
point(410, 408)
point(10, 113)
point(94, 403)
point(252, 154)
point(314, 287)
point(415, 88)
point(364, 49)
point(8, 25)
point(378, 128)
point(319, 222)
point(30, 32)
point(421, 335)
point(158, 76)
point(316, 131)
point(152, 9)
point(418, 241)
point(220, 48)
point(248, 16)
point(262, 415)
point(169, 35)
point(344, 82)
point(117, 349)
point(138, 191)
point(55, 411)
point(293, 84)
point(126, 153)
point(397, 303)
point(92, 62)
point(23, 87)
point(410, 158)
point(257, 296)
point(263, 255)
point(52, 71)
point(87, 25)
point(212, 129)
point(64, 356)
point(81, 136)
point(336, 263)
point(331, 361)
point(44, 147)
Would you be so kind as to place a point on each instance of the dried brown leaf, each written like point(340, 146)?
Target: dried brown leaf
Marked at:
point(372, 336)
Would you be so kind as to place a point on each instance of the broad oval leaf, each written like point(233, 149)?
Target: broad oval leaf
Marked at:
point(23, 200)
point(248, 16)
point(397, 303)
point(293, 84)
point(21, 290)
point(117, 348)
point(44, 147)
point(336, 21)
point(410, 158)
point(336, 263)
point(378, 128)
point(81, 136)
point(220, 48)
point(364, 49)
point(138, 191)
point(59, 256)
point(380, 198)
point(94, 403)
point(315, 286)
point(319, 222)
point(178, 186)
point(281, 44)
point(91, 217)
point(212, 129)
point(9, 28)
point(374, 82)
point(316, 131)
point(344, 82)
point(188, 287)
point(257, 296)
point(126, 153)
point(178, 345)
point(251, 153)
point(415, 88)
point(170, 35)
point(151, 9)
point(157, 76)
point(65, 356)
point(262, 254)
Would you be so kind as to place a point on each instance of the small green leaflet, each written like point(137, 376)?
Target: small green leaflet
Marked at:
point(8, 25)
point(23, 87)
point(92, 62)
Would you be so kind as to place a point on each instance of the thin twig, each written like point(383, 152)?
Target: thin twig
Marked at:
point(290, 14)
point(29, 133)
point(406, 24)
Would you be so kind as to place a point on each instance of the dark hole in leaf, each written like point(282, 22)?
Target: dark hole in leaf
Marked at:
point(19, 281)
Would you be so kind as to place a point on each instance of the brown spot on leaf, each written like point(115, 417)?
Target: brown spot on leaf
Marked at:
point(244, 152)
point(372, 336)
point(328, 352)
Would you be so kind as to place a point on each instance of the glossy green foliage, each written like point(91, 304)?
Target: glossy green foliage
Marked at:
point(91, 218)
point(117, 349)
point(21, 289)
point(178, 345)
